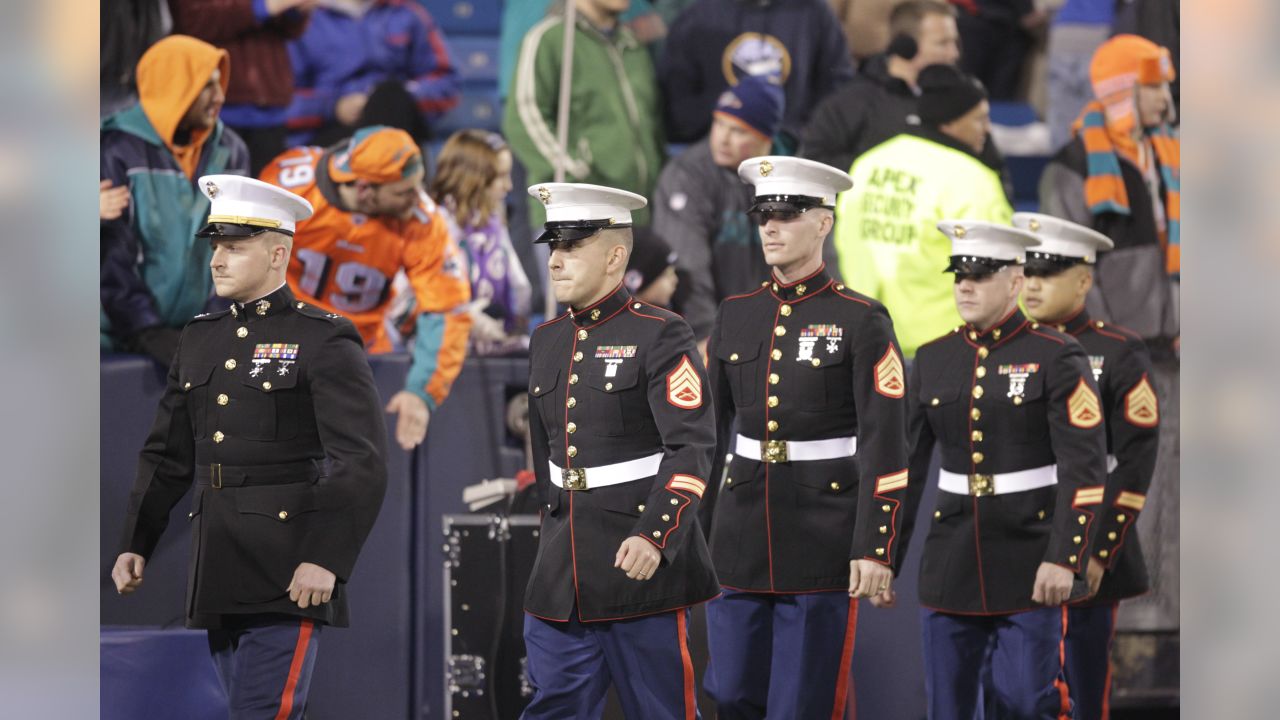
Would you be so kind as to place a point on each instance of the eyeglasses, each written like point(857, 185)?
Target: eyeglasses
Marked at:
point(762, 217)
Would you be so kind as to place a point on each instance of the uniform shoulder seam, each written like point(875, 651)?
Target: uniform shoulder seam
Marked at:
point(743, 296)
point(1043, 334)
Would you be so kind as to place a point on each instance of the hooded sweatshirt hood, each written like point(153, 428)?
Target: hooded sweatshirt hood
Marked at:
point(171, 75)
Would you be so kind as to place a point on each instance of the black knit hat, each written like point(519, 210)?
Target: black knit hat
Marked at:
point(650, 257)
point(946, 93)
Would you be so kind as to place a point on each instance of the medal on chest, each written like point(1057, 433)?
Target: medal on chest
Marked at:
point(818, 339)
point(1095, 364)
point(284, 354)
point(1018, 375)
point(613, 356)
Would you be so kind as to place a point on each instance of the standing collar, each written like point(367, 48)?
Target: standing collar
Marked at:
point(801, 288)
point(1077, 323)
point(265, 306)
point(1001, 331)
point(602, 309)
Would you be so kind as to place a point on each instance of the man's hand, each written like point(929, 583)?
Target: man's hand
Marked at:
point(638, 558)
point(127, 572)
point(411, 425)
point(1053, 584)
point(1093, 573)
point(886, 599)
point(311, 585)
point(868, 578)
point(111, 200)
point(349, 107)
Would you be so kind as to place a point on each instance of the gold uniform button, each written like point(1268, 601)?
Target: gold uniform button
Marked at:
point(772, 425)
point(976, 436)
point(981, 372)
point(230, 364)
point(886, 507)
point(775, 287)
point(1103, 554)
point(983, 353)
point(582, 334)
point(266, 385)
point(1076, 540)
point(1082, 519)
point(995, 333)
point(977, 391)
point(937, 514)
point(283, 515)
point(835, 486)
point(976, 414)
point(839, 286)
point(577, 357)
point(571, 428)
point(675, 501)
point(573, 451)
point(1072, 559)
point(780, 331)
point(973, 335)
point(978, 457)
point(608, 386)
point(640, 508)
point(666, 518)
point(776, 354)
point(218, 436)
point(816, 362)
point(1017, 399)
point(1120, 517)
point(733, 357)
point(1039, 514)
point(657, 533)
point(223, 399)
point(880, 552)
point(186, 386)
point(934, 402)
point(242, 332)
point(773, 378)
point(595, 313)
point(785, 310)
point(1111, 535)
point(773, 401)
point(537, 389)
point(573, 379)
point(884, 529)
point(728, 481)
point(572, 402)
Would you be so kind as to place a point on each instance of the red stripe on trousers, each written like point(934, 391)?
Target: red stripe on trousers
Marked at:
point(1064, 692)
point(295, 670)
point(846, 659)
point(1106, 690)
point(682, 633)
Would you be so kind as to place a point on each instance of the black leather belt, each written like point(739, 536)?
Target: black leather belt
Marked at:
point(217, 475)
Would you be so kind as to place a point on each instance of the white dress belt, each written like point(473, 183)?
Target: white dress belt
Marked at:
point(998, 484)
point(605, 475)
point(829, 449)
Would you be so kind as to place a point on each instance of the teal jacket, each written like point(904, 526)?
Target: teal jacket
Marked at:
point(154, 271)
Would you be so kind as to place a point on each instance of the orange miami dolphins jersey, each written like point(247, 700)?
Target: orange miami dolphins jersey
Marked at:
point(345, 263)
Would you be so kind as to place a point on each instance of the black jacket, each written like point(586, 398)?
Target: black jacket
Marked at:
point(811, 360)
point(617, 381)
point(270, 408)
point(1017, 397)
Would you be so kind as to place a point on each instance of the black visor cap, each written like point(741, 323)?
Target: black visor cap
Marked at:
point(216, 230)
point(1046, 265)
point(975, 266)
point(784, 203)
point(575, 230)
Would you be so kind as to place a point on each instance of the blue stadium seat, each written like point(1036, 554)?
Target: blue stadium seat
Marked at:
point(476, 57)
point(1025, 170)
point(478, 108)
point(1012, 114)
point(466, 17)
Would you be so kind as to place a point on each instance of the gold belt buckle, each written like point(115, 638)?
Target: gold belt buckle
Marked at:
point(574, 478)
point(980, 485)
point(215, 476)
point(773, 451)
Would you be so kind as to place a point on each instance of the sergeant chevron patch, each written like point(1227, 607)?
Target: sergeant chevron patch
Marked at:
point(1082, 407)
point(684, 387)
point(1140, 406)
point(890, 380)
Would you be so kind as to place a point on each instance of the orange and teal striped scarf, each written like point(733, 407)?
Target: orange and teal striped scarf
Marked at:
point(1104, 190)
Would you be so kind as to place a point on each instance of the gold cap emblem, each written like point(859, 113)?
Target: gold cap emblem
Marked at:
point(766, 167)
point(1034, 225)
point(211, 189)
point(959, 231)
point(544, 195)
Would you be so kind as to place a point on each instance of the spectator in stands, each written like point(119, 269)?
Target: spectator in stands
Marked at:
point(154, 273)
point(369, 62)
point(700, 206)
point(471, 184)
point(797, 44)
point(651, 269)
point(865, 24)
point(112, 201)
point(371, 220)
point(255, 33)
point(881, 101)
point(615, 131)
point(1078, 28)
point(996, 36)
point(1120, 175)
point(886, 226)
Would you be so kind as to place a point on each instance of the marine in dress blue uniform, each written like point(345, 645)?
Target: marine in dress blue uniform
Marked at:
point(271, 420)
point(810, 513)
point(622, 433)
point(1059, 275)
point(1014, 409)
